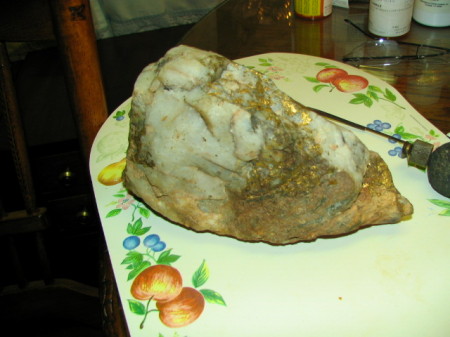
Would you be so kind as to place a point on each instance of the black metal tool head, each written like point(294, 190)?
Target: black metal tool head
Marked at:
point(439, 170)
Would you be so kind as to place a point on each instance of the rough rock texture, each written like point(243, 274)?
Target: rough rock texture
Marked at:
point(216, 147)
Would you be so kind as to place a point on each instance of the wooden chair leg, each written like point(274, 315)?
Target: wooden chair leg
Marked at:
point(11, 114)
point(44, 261)
point(15, 260)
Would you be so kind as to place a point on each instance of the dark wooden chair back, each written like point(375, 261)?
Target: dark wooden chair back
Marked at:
point(69, 23)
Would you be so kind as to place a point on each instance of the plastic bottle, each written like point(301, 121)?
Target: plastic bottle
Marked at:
point(313, 9)
point(390, 18)
point(434, 13)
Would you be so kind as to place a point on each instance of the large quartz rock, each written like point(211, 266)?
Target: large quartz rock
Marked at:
point(216, 147)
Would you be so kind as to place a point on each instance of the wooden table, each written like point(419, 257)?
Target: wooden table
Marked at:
point(240, 28)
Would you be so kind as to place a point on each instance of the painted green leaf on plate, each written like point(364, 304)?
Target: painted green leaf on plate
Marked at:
point(374, 88)
point(319, 87)
point(361, 99)
point(135, 272)
point(137, 228)
point(113, 212)
point(440, 203)
point(167, 258)
point(144, 212)
point(212, 296)
point(311, 79)
point(201, 275)
point(133, 258)
point(136, 307)
point(390, 95)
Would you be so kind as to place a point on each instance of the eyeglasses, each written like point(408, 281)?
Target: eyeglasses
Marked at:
point(383, 52)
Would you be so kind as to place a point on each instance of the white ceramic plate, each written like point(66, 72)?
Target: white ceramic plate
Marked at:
point(390, 280)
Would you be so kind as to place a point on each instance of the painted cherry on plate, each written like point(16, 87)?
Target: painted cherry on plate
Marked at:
point(350, 83)
point(327, 75)
point(341, 80)
point(158, 282)
point(183, 309)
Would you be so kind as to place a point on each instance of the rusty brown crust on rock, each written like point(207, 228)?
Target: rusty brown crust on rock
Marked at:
point(284, 221)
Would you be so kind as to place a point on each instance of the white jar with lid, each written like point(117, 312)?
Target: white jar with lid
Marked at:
point(434, 13)
point(390, 18)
